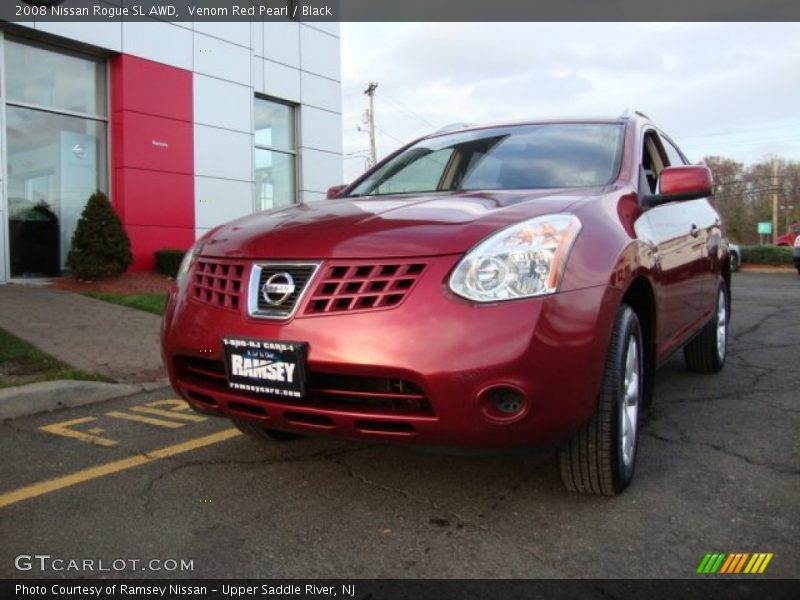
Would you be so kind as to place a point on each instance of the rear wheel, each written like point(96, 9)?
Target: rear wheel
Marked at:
point(601, 458)
point(706, 353)
point(264, 434)
point(734, 261)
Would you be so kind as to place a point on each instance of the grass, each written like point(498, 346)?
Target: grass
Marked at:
point(22, 363)
point(153, 303)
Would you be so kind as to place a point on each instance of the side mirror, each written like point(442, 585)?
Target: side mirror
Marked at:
point(334, 191)
point(681, 183)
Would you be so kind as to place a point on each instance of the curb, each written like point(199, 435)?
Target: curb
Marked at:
point(47, 396)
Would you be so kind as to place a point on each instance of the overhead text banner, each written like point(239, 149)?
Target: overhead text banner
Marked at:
point(404, 10)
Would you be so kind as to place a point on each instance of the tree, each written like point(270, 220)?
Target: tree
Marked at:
point(100, 246)
point(743, 195)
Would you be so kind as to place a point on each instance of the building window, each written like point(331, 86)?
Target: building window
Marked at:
point(275, 154)
point(56, 132)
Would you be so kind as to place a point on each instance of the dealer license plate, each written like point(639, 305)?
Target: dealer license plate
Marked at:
point(276, 368)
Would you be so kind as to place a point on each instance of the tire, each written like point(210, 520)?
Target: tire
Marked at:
point(734, 262)
point(601, 458)
point(264, 434)
point(706, 353)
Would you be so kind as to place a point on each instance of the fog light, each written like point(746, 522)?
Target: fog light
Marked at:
point(503, 404)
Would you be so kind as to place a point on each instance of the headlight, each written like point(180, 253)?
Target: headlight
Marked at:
point(186, 263)
point(797, 242)
point(524, 260)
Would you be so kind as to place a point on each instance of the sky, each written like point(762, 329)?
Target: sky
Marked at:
point(725, 89)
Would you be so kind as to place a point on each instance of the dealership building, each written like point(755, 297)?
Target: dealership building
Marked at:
point(183, 125)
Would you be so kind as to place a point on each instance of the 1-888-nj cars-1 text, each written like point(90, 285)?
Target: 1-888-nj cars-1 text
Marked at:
point(511, 285)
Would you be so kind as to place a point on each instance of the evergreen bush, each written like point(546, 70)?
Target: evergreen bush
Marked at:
point(168, 261)
point(100, 245)
point(767, 255)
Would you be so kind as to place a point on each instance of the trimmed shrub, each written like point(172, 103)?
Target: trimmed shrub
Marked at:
point(100, 246)
point(767, 255)
point(168, 261)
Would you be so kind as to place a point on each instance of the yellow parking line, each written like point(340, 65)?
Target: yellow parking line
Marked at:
point(170, 414)
point(65, 481)
point(63, 428)
point(148, 420)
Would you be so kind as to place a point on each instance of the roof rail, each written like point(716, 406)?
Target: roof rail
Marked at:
point(453, 127)
point(628, 113)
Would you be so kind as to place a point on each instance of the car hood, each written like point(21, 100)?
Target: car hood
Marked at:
point(389, 226)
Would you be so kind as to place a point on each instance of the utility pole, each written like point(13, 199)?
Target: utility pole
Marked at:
point(370, 91)
point(774, 199)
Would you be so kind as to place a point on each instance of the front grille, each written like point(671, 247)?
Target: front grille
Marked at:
point(218, 283)
point(278, 305)
point(363, 286)
point(379, 395)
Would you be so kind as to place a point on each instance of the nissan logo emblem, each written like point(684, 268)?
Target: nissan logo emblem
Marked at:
point(277, 289)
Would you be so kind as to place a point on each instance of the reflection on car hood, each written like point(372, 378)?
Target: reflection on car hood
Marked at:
point(388, 226)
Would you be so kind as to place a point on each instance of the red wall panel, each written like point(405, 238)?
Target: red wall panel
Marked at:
point(145, 86)
point(152, 150)
point(154, 197)
point(157, 143)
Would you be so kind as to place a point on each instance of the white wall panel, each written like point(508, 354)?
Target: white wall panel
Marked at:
point(158, 41)
point(320, 129)
point(222, 153)
point(236, 32)
point(320, 170)
point(282, 42)
point(319, 53)
point(222, 103)
point(221, 59)
point(257, 37)
point(321, 92)
point(103, 34)
point(332, 27)
point(221, 200)
point(257, 74)
point(281, 81)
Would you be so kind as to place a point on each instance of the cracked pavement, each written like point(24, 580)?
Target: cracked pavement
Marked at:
point(718, 471)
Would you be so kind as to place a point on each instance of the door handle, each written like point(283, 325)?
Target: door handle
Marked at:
point(694, 231)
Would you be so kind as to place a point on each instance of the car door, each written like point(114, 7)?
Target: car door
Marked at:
point(678, 233)
point(705, 220)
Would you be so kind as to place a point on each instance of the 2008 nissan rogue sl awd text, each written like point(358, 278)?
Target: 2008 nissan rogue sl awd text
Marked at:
point(511, 285)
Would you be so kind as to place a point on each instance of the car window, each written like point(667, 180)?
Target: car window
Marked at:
point(652, 160)
point(520, 157)
point(673, 154)
point(416, 173)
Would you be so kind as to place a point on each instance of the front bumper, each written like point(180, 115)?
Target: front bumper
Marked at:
point(412, 373)
point(797, 257)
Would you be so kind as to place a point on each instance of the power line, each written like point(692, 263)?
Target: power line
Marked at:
point(393, 100)
point(396, 139)
point(740, 132)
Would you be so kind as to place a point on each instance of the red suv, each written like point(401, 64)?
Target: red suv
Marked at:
point(788, 238)
point(511, 285)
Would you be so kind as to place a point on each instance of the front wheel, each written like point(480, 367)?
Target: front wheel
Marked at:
point(601, 458)
point(706, 353)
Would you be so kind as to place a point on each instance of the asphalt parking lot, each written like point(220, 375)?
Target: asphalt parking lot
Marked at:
point(142, 479)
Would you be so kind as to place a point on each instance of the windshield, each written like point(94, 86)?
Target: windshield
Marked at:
point(553, 155)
